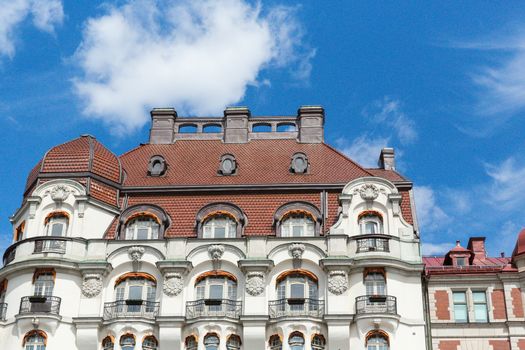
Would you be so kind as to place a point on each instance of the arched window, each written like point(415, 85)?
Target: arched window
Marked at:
point(318, 342)
point(297, 225)
point(56, 224)
point(135, 293)
point(191, 343)
point(375, 283)
point(215, 294)
point(35, 340)
point(377, 341)
point(127, 342)
point(211, 342)
point(107, 343)
point(297, 291)
point(296, 341)
point(149, 343)
point(370, 222)
point(142, 227)
point(219, 226)
point(233, 343)
point(275, 342)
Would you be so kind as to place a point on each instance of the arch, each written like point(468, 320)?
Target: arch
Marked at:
point(262, 127)
point(216, 273)
point(286, 127)
point(377, 332)
point(143, 275)
point(44, 271)
point(370, 213)
point(303, 272)
point(318, 342)
point(221, 208)
point(78, 189)
point(127, 340)
point(35, 332)
point(309, 247)
point(296, 340)
point(204, 247)
point(275, 342)
point(56, 214)
point(212, 128)
point(297, 208)
point(108, 343)
point(148, 210)
point(191, 342)
point(211, 341)
point(188, 128)
point(233, 342)
point(149, 342)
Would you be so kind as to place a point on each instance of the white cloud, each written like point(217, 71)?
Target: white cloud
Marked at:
point(45, 15)
point(196, 56)
point(364, 150)
point(507, 189)
point(388, 112)
point(429, 214)
point(436, 248)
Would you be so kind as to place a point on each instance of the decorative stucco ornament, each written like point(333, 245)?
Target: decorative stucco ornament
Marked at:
point(369, 192)
point(337, 282)
point(173, 284)
point(91, 285)
point(254, 283)
point(216, 251)
point(296, 250)
point(135, 253)
point(59, 193)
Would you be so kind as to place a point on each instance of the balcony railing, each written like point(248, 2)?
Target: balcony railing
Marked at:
point(376, 304)
point(40, 304)
point(372, 244)
point(296, 307)
point(131, 309)
point(3, 311)
point(213, 308)
point(50, 245)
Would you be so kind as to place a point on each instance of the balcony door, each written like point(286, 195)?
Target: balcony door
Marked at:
point(135, 294)
point(297, 293)
point(43, 289)
point(214, 291)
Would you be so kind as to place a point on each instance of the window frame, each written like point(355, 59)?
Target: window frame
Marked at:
point(464, 303)
point(297, 344)
point(293, 221)
point(375, 282)
point(154, 343)
point(127, 346)
point(136, 223)
point(188, 346)
point(208, 345)
point(484, 303)
point(212, 223)
point(303, 208)
point(54, 220)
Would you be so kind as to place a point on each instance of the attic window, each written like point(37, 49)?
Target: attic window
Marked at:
point(156, 166)
point(228, 165)
point(299, 163)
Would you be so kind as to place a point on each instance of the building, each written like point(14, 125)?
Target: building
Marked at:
point(476, 301)
point(235, 232)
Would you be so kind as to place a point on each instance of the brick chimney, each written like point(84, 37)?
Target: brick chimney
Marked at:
point(162, 122)
point(387, 159)
point(477, 246)
point(236, 124)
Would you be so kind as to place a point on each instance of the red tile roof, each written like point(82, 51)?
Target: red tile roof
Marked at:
point(391, 175)
point(435, 265)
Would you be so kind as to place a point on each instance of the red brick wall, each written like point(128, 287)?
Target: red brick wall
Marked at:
point(441, 297)
point(498, 304)
point(448, 344)
point(517, 304)
point(500, 344)
point(521, 344)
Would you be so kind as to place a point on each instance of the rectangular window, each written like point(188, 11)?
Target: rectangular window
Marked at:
point(460, 261)
point(460, 306)
point(480, 306)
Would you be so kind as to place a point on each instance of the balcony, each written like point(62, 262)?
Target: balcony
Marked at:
point(376, 304)
point(9, 255)
point(131, 309)
point(40, 304)
point(3, 311)
point(296, 307)
point(50, 245)
point(213, 308)
point(373, 244)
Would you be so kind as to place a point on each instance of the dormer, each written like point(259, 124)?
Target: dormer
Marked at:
point(458, 256)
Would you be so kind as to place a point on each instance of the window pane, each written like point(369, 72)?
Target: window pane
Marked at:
point(297, 291)
point(199, 291)
point(480, 312)
point(135, 292)
point(298, 231)
point(142, 233)
point(459, 297)
point(285, 231)
point(220, 232)
point(478, 297)
point(216, 292)
point(57, 229)
point(460, 313)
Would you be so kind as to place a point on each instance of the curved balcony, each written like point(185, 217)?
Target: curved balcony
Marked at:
point(376, 304)
point(50, 245)
point(131, 308)
point(373, 243)
point(204, 308)
point(296, 307)
point(40, 304)
point(45, 245)
point(3, 311)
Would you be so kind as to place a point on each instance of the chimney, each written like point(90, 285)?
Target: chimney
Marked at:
point(387, 159)
point(477, 246)
point(236, 124)
point(162, 123)
point(310, 120)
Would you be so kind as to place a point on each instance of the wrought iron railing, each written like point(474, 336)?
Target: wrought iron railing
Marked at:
point(296, 307)
point(376, 304)
point(50, 245)
point(213, 308)
point(131, 308)
point(3, 311)
point(40, 304)
point(371, 244)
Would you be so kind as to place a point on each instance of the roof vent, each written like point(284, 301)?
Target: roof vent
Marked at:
point(299, 163)
point(228, 165)
point(157, 166)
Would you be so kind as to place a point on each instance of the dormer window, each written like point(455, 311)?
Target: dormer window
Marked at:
point(219, 226)
point(299, 163)
point(142, 227)
point(297, 219)
point(370, 223)
point(298, 225)
point(56, 224)
point(157, 166)
point(228, 165)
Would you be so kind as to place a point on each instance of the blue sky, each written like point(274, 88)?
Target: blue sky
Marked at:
point(441, 81)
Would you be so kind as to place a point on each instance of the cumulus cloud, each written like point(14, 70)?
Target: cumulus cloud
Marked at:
point(198, 56)
point(364, 149)
point(436, 248)
point(45, 15)
point(507, 188)
point(430, 215)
